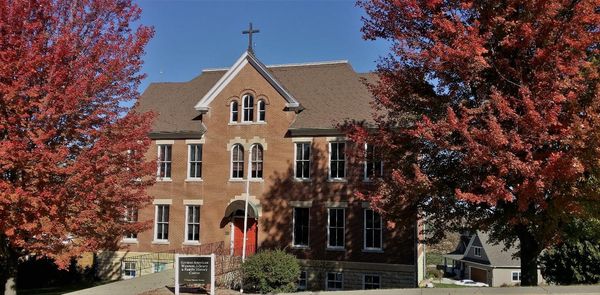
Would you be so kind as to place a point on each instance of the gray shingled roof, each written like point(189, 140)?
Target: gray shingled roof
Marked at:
point(330, 93)
point(496, 253)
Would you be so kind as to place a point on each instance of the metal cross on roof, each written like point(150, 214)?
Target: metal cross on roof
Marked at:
point(250, 31)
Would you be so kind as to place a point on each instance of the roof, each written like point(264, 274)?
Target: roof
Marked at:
point(246, 58)
point(329, 93)
point(496, 254)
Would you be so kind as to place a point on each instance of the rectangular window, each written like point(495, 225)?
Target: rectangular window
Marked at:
point(164, 161)
point(373, 230)
point(195, 156)
point(334, 281)
point(302, 281)
point(373, 165)
point(335, 228)
point(301, 226)
point(131, 216)
point(192, 229)
point(371, 282)
point(303, 160)
point(477, 251)
point(337, 160)
point(129, 269)
point(516, 276)
point(162, 222)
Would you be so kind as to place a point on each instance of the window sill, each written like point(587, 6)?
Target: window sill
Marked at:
point(191, 243)
point(340, 180)
point(302, 179)
point(160, 242)
point(130, 241)
point(164, 179)
point(246, 123)
point(372, 250)
point(194, 180)
point(300, 247)
point(339, 249)
point(244, 180)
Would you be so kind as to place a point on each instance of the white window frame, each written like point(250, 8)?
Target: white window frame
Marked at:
point(475, 248)
point(128, 218)
point(156, 239)
point(249, 108)
point(262, 161)
point(237, 112)
point(366, 161)
point(364, 281)
point(261, 107)
point(512, 275)
point(160, 163)
point(189, 162)
point(187, 223)
point(124, 269)
point(296, 159)
point(329, 227)
point(330, 147)
point(365, 248)
point(303, 282)
point(231, 162)
point(294, 228)
point(341, 274)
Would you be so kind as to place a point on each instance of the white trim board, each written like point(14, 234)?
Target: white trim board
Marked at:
point(246, 58)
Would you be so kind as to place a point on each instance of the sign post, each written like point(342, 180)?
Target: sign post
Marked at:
point(195, 269)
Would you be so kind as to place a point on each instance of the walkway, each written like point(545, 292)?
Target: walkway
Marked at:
point(155, 284)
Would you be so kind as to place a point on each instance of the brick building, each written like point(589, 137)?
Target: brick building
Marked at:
point(275, 124)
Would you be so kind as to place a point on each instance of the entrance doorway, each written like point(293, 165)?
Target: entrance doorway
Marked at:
point(238, 236)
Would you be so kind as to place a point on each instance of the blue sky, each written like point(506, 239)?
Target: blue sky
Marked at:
point(195, 35)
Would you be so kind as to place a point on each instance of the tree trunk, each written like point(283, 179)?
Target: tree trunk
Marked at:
point(8, 268)
point(529, 252)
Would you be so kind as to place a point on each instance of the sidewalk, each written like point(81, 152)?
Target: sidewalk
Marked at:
point(155, 284)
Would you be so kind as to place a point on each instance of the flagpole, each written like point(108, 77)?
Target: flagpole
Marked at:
point(246, 209)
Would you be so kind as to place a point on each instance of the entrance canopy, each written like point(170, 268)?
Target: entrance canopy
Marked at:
point(236, 205)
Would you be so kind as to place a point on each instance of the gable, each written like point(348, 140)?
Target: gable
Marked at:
point(246, 59)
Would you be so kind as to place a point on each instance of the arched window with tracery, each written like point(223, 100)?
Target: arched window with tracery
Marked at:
point(257, 161)
point(262, 110)
point(248, 108)
point(234, 112)
point(237, 161)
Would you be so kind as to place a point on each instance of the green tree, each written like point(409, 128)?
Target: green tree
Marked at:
point(575, 260)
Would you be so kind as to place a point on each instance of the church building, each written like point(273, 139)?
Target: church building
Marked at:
point(269, 134)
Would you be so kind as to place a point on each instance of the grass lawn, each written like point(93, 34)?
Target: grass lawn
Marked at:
point(434, 258)
point(440, 285)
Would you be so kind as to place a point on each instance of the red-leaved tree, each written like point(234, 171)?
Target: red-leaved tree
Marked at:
point(488, 115)
point(71, 151)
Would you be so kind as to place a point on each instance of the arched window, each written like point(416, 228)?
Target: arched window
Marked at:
point(234, 112)
point(257, 161)
point(261, 110)
point(248, 108)
point(237, 161)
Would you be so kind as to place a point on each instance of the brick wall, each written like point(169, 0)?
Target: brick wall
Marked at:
point(274, 194)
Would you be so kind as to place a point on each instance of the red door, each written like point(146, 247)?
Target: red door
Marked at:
point(238, 236)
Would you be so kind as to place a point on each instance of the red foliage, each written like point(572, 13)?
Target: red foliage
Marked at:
point(495, 106)
point(71, 154)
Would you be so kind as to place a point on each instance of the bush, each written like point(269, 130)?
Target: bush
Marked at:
point(271, 272)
